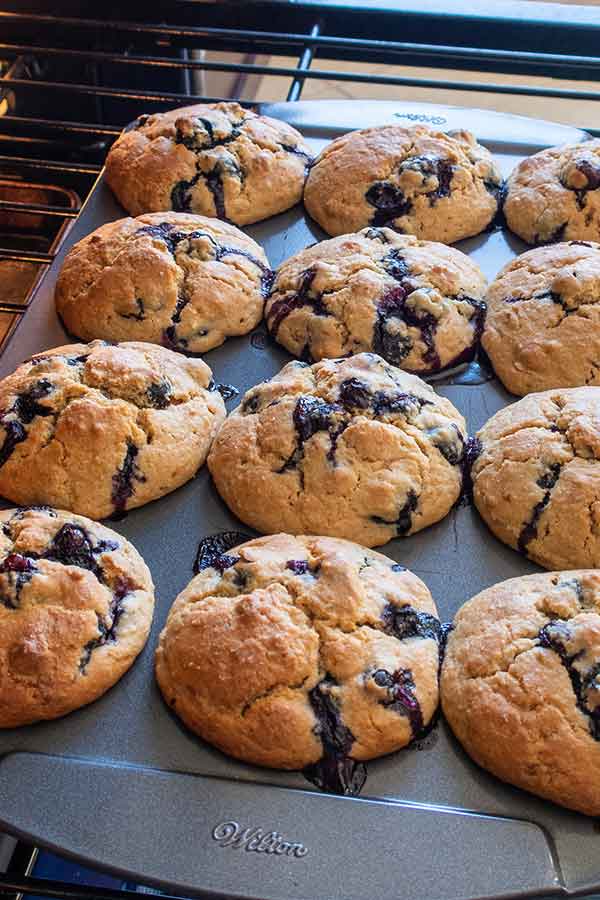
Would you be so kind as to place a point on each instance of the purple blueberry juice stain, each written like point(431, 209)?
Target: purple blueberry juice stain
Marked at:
point(204, 138)
point(297, 566)
point(73, 546)
point(214, 183)
point(15, 434)
point(555, 636)
point(107, 627)
point(139, 315)
point(473, 449)
point(171, 339)
point(171, 237)
point(25, 409)
point(355, 394)
point(547, 482)
point(250, 404)
point(123, 486)
point(478, 322)
point(26, 406)
point(591, 172)
point(336, 772)
point(431, 167)
point(403, 522)
point(296, 151)
point(392, 305)
point(181, 199)
point(201, 138)
point(20, 570)
point(165, 232)
point(267, 274)
point(159, 394)
point(304, 296)
point(453, 451)
point(213, 551)
point(404, 622)
point(389, 201)
point(401, 696)
point(310, 416)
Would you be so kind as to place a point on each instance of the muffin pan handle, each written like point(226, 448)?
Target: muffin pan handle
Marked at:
point(198, 835)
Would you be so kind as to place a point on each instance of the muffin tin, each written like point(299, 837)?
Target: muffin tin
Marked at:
point(122, 785)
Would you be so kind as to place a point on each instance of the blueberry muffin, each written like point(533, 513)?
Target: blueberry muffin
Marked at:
point(554, 195)
point(303, 653)
point(543, 325)
point(521, 688)
point(417, 304)
point(438, 187)
point(351, 448)
point(215, 159)
point(100, 428)
point(184, 281)
point(536, 480)
point(76, 604)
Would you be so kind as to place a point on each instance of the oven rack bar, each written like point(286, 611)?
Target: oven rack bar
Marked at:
point(298, 72)
point(271, 40)
point(39, 209)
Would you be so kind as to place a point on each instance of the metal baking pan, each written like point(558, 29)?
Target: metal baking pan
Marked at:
point(124, 786)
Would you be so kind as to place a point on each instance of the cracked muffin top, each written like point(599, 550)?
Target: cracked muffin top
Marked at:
point(215, 159)
point(418, 304)
point(187, 282)
point(76, 604)
point(436, 186)
point(536, 480)
point(554, 195)
point(352, 448)
point(520, 684)
point(100, 428)
point(303, 653)
point(542, 329)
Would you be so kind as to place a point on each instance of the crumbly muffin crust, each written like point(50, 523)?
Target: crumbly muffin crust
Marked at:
point(303, 651)
point(215, 159)
point(352, 448)
point(436, 186)
point(100, 428)
point(187, 282)
point(520, 684)
point(76, 604)
point(418, 304)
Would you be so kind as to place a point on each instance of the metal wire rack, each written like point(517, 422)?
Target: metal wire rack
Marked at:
point(69, 83)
